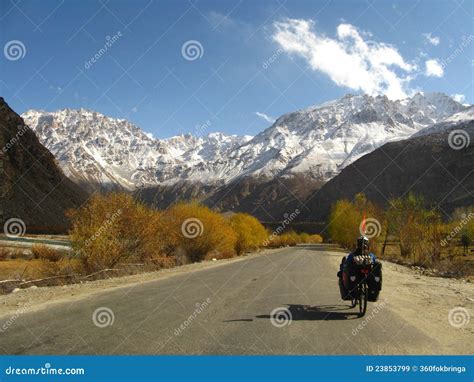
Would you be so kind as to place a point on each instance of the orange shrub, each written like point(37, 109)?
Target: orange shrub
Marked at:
point(114, 228)
point(314, 239)
point(251, 234)
point(198, 231)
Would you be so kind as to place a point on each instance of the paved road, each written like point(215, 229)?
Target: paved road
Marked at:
point(233, 316)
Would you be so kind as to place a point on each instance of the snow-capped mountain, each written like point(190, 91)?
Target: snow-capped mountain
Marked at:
point(456, 119)
point(317, 142)
point(93, 149)
point(322, 140)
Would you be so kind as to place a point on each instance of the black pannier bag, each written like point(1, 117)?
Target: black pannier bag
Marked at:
point(374, 281)
point(345, 295)
point(343, 291)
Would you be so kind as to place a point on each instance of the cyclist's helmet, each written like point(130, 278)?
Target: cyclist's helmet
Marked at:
point(363, 243)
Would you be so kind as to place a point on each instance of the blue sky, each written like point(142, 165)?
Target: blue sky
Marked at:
point(247, 61)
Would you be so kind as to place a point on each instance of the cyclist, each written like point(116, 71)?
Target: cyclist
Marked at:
point(361, 255)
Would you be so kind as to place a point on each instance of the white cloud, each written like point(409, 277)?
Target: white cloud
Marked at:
point(149, 135)
point(266, 117)
point(433, 40)
point(350, 59)
point(459, 98)
point(433, 68)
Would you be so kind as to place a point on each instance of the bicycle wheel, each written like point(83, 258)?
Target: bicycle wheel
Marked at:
point(363, 297)
point(353, 302)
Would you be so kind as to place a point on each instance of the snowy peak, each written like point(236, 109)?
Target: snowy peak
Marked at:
point(98, 150)
point(323, 139)
point(318, 142)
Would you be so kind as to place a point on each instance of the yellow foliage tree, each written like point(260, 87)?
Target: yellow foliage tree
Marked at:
point(113, 228)
point(345, 221)
point(251, 234)
point(198, 231)
point(418, 230)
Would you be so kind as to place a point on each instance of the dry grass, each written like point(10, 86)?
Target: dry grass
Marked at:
point(40, 251)
point(450, 263)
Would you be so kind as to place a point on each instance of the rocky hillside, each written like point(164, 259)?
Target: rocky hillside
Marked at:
point(32, 187)
point(437, 163)
point(267, 199)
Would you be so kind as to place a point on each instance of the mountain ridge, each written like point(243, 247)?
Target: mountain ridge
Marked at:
point(318, 141)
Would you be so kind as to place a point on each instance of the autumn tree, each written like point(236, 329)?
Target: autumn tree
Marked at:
point(251, 234)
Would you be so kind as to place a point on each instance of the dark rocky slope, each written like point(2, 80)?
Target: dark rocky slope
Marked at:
point(425, 165)
point(32, 187)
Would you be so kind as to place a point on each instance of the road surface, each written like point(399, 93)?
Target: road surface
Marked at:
point(222, 310)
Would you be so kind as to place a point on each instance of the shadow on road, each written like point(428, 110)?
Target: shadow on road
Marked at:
point(317, 313)
point(310, 313)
